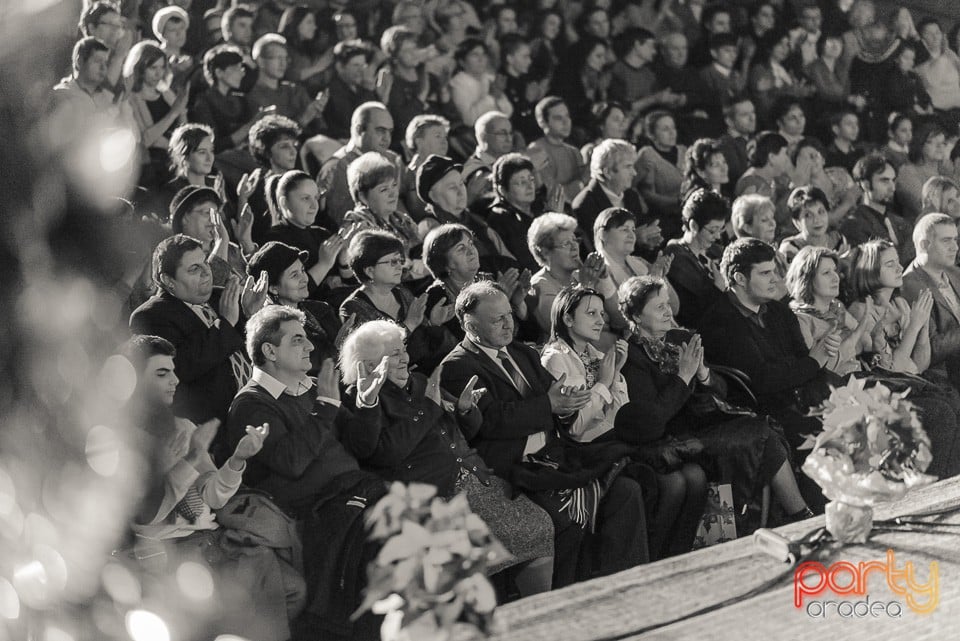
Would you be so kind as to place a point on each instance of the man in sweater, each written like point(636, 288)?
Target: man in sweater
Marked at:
point(176, 518)
point(303, 465)
point(564, 165)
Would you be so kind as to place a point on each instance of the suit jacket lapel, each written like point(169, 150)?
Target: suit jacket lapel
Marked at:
point(487, 363)
point(526, 368)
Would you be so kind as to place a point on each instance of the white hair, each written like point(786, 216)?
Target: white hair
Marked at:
point(367, 343)
point(483, 122)
point(606, 154)
point(543, 232)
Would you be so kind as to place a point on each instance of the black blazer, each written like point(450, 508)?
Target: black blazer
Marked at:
point(508, 419)
point(207, 385)
point(592, 200)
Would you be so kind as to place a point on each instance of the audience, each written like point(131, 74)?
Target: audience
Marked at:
point(442, 167)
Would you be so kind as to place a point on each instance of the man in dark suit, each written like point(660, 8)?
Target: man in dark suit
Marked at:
point(210, 361)
point(740, 115)
point(523, 409)
point(874, 217)
point(612, 171)
point(934, 269)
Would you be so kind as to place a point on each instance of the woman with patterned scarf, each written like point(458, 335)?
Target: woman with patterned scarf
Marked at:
point(674, 511)
point(866, 350)
point(673, 393)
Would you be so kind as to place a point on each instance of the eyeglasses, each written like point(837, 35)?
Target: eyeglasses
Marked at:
point(567, 244)
point(393, 262)
point(504, 132)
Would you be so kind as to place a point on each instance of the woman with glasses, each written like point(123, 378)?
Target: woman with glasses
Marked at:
point(554, 245)
point(695, 273)
point(377, 259)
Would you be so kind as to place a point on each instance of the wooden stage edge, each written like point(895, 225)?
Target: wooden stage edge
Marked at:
point(652, 597)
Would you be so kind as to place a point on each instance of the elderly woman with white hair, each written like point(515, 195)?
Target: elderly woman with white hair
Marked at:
point(612, 172)
point(422, 437)
point(553, 242)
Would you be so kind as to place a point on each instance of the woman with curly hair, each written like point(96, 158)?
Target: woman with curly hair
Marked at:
point(706, 168)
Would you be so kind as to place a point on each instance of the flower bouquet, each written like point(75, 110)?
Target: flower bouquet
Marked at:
point(872, 449)
point(430, 573)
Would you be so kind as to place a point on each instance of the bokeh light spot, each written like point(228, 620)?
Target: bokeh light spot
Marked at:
point(118, 378)
point(9, 601)
point(53, 633)
point(103, 450)
point(120, 584)
point(195, 581)
point(146, 626)
point(116, 149)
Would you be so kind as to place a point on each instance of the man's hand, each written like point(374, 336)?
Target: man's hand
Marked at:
point(230, 300)
point(469, 397)
point(328, 381)
point(433, 386)
point(566, 400)
point(243, 229)
point(250, 444)
point(369, 383)
point(254, 294)
point(508, 280)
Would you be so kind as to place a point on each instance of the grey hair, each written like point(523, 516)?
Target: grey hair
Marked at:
point(483, 122)
point(543, 232)
point(364, 340)
point(925, 226)
point(606, 154)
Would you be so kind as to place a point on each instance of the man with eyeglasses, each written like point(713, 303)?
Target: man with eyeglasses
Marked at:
point(203, 324)
point(290, 99)
point(494, 139)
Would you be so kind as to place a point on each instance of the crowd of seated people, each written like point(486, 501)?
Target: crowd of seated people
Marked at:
point(576, 259)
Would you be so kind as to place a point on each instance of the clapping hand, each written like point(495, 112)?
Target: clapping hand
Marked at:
point(252, 442)
point(441, 313)
point(661, 266)
point(691, 359)
point(508, 281)
point(416, 311)
point(230, 300)
point(254, 294)
point(566, 400)
point(920, 311)
point(556, 198)
point(433, 386)
point(826, 348)
point(593, 270)
point(243, 228)
point(469, 397)
point(328, 381)
point(369, 383)
point(245, 188)
point(345, 329)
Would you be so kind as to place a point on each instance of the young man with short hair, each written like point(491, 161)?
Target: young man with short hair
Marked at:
point(874, 217)
point(223, 107)
point(721, 78)
point(177, 516)
point(559, 164)
point(749, 328)
point(844, 150)
point(291, 99)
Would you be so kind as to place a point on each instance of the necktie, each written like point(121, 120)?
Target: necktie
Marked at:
point(242, 370)
point(518, 380)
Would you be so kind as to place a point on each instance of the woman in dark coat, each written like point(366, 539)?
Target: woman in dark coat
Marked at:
point(423, 438)
point(674, 394)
